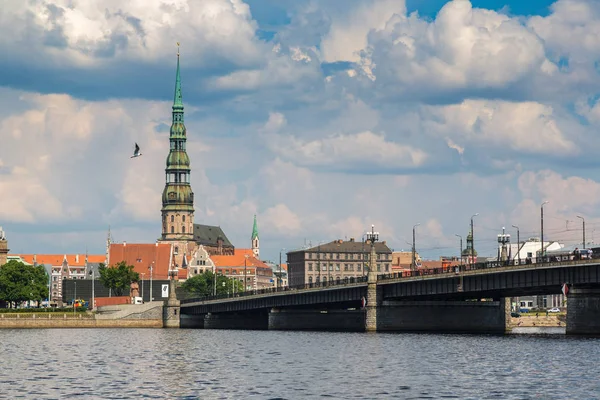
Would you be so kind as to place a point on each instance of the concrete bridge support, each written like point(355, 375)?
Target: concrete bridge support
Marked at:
point(317, 320)
point(444, 316)
point(583, 311)
point(251, 321)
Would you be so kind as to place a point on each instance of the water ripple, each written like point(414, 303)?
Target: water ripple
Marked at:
point(213, 364)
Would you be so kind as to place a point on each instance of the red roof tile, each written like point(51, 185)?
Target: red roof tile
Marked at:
point(141, 256)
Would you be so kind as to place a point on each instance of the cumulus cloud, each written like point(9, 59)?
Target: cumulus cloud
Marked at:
point(86, 33)
point(463, 48)
point(526, 127)
point(354, 152)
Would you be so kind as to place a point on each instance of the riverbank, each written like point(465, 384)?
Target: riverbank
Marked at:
point(552, 320)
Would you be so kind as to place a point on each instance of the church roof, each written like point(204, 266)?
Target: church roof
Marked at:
point(207, 235)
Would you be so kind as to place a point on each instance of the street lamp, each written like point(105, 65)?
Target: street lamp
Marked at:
point(542, 229)
point(372, 237)
point(245, 265)
point(151, 268)
point(74, 296)
point(142, 274)
point(279, 283)
point(583, 219)
point(473, 238)
point(460, 254)
point(518, 244)
point(414, 261)
point(93, 294)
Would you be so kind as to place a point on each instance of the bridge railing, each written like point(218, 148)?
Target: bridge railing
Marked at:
point(457, 269)
point(271, 290)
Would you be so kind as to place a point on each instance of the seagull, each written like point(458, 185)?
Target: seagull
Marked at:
point(136, 153)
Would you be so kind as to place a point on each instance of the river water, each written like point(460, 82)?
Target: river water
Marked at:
point(214, 364)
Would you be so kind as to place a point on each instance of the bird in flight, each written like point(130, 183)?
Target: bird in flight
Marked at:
point(136, 152)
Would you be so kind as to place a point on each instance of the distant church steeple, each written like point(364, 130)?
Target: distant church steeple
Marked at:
point(255, 241)
point(3, 247)
point(178, 198)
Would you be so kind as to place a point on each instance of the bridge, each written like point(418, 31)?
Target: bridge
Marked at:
point(473, 298)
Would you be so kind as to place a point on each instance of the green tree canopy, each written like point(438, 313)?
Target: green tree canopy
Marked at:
point(118, 277)
point(20, 282)
point(203, 285)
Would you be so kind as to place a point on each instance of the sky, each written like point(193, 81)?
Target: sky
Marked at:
point(321, 118)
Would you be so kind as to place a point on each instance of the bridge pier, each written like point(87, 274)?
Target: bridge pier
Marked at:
point(583, 311)
point(233, 320)
point(444, 316)
point(171, 309)
point(317, 320)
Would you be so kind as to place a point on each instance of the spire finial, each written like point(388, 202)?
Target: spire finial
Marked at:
point(178, 100)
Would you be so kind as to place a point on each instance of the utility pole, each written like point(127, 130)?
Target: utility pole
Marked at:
point(518, 244)
point(583, 219)
point(542, 230)
point(413, 265)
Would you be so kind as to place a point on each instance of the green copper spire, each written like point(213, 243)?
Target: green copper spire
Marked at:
point(178, 197)
point(254, 229)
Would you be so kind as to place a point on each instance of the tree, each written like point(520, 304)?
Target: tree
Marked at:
point(20, 282)
point(203, 284)
point(118, 278)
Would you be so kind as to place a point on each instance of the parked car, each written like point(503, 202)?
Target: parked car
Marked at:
point(515, 314)
point(554, 309)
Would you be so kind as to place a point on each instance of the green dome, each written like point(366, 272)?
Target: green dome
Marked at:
point(178, 159)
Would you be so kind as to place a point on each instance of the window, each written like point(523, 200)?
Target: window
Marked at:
point(183, 218)
point(310, 266)
point(387, 267)
point(337, 266)
point(172, 218)
point(378, 256)
point(358, 267)
point(345, 267)
point(310, 280)
point(331, 267)
point(378, 267)
point(176, 250)
point(172, 228)
point(324, 267)
point(337, 280)
point(183, 227)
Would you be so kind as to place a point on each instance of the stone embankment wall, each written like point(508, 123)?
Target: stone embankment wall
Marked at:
point(147, 315)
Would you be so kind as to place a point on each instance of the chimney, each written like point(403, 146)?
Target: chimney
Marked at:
point(76, 258)
point(157, 243)
point(124, 243)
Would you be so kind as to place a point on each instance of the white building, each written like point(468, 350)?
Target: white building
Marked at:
point(529, 250)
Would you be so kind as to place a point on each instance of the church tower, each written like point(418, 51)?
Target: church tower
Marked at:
point(255, 241)
point(3, 247)
point(177, 198)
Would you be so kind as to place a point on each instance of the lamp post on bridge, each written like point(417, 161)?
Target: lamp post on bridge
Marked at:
point(518, 244)
point(542, 230)
point(279, 282)
point(151, 268)
point(473, 239)
point(583, 219)
point(461, 248)
point(413, 264)
point(372, 237)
